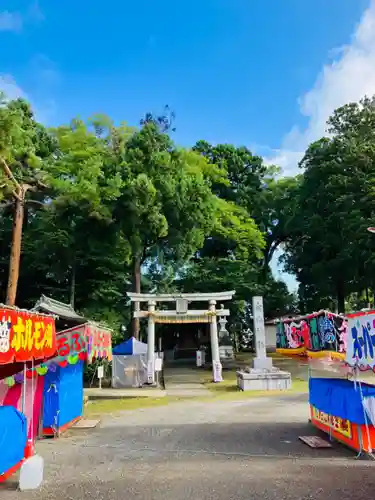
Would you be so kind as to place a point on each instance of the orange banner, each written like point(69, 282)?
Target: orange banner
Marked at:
point(25, 336)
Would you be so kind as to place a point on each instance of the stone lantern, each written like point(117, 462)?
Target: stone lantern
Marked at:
point(225, 344)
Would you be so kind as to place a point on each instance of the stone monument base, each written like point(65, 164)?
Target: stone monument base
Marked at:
point(258, 379)
point(262, 363)
point(226, 352)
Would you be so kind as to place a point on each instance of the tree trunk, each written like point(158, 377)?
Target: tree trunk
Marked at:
point(340, 298)
point(73, 284)
point(136, 289)
point(15, 250)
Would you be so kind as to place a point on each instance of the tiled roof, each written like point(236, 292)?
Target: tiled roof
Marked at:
point(63, 311)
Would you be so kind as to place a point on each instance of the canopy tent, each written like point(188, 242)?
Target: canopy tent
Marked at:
point(129, 365)
point(130, 347)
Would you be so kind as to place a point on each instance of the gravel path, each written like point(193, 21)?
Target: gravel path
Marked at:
point(192, 450)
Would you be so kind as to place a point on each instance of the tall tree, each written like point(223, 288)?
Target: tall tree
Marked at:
point(24, 148)
point(167, 206)
point(331, 252)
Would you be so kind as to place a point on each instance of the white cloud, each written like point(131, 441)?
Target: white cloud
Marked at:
point(10, 88)
point(44, 109)
point(35, 13)
point(10, 21)
point(348, 78)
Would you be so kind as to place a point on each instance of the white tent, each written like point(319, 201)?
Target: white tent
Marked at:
point(129, 364)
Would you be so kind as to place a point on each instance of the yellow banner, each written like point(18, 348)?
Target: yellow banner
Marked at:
point(335, 423)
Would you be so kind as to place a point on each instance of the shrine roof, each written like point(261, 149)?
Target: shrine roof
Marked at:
point(63, 311)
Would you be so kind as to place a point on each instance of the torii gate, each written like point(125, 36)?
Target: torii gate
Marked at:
point(182, 314)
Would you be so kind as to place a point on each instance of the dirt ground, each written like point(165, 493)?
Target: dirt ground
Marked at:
point(221, 450)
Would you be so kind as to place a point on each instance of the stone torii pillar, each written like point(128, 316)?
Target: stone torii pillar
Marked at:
point(215, 353)
point(151, 343)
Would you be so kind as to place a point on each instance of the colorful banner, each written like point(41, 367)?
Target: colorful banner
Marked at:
point(361, 340)
point(25, 336)
point(99, 342)
point(85, 342)
point(321, 331)
point(71, 346)
point(335, 423)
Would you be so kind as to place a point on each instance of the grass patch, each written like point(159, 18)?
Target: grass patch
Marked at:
point(228, 391)
point(247, 357)
point(228, 388)
point(107, 406)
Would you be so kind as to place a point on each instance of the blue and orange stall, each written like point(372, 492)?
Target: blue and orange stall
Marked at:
point(344, 408)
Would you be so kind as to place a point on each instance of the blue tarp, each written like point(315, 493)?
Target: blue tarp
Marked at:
point(13, 437)
point(339, 398)
point(129, 347)
point(63, 395)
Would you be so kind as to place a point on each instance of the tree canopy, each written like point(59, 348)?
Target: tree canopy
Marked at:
point(110, 208)
point(328, 247)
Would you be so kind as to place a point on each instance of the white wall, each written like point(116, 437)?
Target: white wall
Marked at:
point(270, 336)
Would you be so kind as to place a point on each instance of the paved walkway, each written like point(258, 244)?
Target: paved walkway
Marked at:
point(184, 381)
point(221, 450)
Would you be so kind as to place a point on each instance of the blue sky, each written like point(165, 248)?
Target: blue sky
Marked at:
point(263, 73)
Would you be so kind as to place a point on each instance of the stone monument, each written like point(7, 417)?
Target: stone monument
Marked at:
point(262, 376)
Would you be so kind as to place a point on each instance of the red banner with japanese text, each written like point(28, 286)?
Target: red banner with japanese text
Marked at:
point(86, 342)
point(71, 346)
point(99, 342)
point(25, 336)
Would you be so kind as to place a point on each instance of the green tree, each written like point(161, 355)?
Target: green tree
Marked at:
point(25, 147)
point(83, 186)
point(261, 199)
point(168, 206)
point(330, 250)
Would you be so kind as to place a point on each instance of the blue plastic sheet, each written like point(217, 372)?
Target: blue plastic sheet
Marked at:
point(13, 437)
point(340, 398)
point(63, 395)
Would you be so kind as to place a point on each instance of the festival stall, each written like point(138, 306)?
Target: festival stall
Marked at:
point(26, 340)
point(63, 388)
point(312, 335)
point(342, 407)
point(129, 365)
